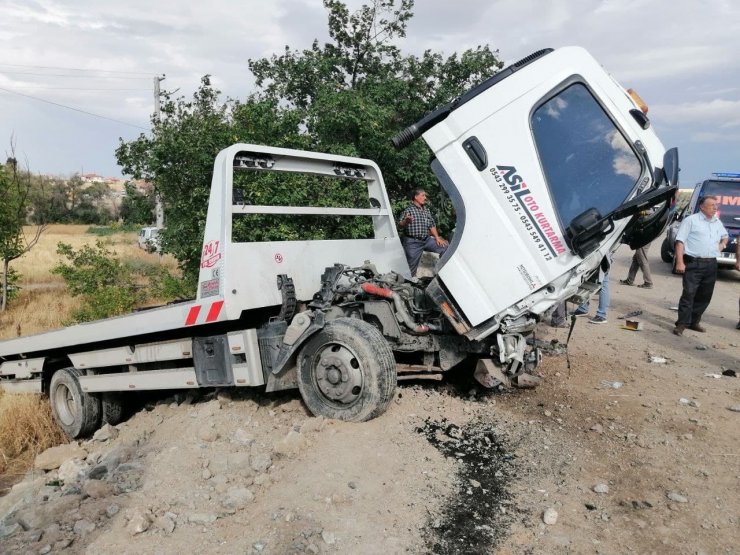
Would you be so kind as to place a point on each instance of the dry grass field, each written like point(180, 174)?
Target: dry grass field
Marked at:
point(26, 426)
point(42, 303)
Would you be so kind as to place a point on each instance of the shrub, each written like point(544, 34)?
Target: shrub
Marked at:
point(106, 285)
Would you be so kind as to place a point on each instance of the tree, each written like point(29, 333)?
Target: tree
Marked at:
point(348, 96)
point(136, 207)
point(14, 240)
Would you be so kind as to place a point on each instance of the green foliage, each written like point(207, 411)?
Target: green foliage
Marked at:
point(12, 216)
point(111, 287)
point(55, 200)
point(164, 285)
point(348, 96)
point(107, 286)
point(112, 229)
point(14, 280)
point(137, 207)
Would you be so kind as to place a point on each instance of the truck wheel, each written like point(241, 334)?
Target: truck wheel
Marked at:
point(77, 413)
point(666, 254)
point(347, 371)
point(112, 408)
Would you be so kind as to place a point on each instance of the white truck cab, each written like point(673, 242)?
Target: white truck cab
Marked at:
point(547, 164)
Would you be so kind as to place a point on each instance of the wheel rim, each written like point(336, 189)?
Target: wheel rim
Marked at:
point(338, 374)
point(65, 404)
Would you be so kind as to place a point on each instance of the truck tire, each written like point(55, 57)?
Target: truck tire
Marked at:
point(666, 254)
point(77, 413)
point(347, 371)
point(111, 408)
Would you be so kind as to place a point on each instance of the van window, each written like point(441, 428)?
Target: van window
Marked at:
point(586, 160)
point(728, 200)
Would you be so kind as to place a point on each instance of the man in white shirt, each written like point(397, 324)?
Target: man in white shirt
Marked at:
point(700, 239)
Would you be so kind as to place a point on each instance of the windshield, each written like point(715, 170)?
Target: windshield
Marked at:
point(728, 200)
point(587, 162)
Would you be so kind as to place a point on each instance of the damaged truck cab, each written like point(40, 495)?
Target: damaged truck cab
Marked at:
point(547, 164)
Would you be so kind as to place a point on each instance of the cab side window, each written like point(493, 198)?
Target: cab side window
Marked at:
point(586, 160)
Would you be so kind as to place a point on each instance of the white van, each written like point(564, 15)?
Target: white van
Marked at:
point(149, 238)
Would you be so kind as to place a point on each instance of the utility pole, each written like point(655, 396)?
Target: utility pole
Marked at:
point(158, 208)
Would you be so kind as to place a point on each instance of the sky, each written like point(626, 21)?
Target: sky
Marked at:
point(101, 57)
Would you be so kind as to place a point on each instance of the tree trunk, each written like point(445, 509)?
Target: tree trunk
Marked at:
point(4, 295)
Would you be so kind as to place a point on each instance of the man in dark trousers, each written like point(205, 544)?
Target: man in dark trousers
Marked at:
point(700, 239)
point(420, 230)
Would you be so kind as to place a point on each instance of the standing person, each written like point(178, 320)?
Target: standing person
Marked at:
point(420, 230)
point(601, 310)
point(699, 240)
point(737, 267)
point(639, 262)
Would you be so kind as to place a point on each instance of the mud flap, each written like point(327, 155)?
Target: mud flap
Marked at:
point(489, 375)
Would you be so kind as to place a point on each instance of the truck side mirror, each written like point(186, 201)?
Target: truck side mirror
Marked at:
point(587, 230)
point(670, 166)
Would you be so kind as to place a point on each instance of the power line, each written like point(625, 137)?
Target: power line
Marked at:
point(74, 109)
point(73, 76)
point(78, 89)
point(81, 69)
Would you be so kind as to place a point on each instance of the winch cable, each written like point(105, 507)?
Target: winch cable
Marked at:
point(573, 319)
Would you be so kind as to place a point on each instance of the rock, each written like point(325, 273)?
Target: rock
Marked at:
point(206, 474)
point(54, 457)
point(475, 483)
point(10, 530)
point(702, 348)
point(677, 497)
point(313, 425)
point(166, 523)
point(97, 489)
point(601, 488)
point(112, 510)
point(328, 537)
point(83, 527)
point(259, 546)
point(64, 543)
point(139, 522)
point(694, 403)
point(550, 517)
point(734, 408)
point(46, 549)
point(34, 536)
point(242, 437)
point(117, 456)
point(37, 517)
point(73, 470)
point(598, 428)
point(98, 472)
point(352, 485)
point(683, 401)
point(208, 434)
point(260, 462)
point(236, 464)
point(207, 410)
point(105, 433)
point(202, 518)
point(237, 497)
point(290, 445)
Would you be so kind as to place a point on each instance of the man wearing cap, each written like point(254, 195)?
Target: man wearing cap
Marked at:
point(420, 230)
point(700, 239)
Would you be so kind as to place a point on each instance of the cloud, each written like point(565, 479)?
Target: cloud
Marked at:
point(717, 113)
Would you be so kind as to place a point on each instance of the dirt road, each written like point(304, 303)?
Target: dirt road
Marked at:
point(649, 466)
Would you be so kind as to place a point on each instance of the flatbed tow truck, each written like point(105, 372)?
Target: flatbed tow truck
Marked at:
point(547, 163)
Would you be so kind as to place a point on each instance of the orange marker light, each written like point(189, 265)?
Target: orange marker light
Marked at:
point(639, 101)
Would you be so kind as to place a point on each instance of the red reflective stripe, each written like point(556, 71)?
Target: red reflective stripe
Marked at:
point(192, 315)
point(214, 311)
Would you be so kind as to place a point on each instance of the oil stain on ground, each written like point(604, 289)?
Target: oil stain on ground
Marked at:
point(475, 518)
